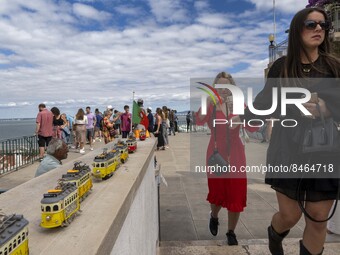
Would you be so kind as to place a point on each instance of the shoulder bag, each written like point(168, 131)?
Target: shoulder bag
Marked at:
point(322, 136)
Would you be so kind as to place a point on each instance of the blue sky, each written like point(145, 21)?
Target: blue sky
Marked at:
point(71, 54)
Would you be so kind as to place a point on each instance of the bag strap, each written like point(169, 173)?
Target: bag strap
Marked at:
point(303, 209)
point(299, 200)
point(228, 131)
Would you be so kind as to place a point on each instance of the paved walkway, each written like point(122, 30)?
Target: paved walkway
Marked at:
point(184, 209)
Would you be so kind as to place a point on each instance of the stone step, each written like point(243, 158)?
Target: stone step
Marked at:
point(245, 247)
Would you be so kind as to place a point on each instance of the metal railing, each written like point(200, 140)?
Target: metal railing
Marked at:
point(18, 152)
point(278, 50)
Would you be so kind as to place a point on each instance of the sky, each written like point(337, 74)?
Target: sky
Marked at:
point(73, 54)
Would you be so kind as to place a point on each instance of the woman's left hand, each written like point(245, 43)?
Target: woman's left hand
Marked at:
point(311, 107)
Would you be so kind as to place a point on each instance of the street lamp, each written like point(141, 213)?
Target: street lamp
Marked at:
point(271, 48)
point(271, 38)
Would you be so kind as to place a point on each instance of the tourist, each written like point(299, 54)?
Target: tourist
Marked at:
point(125, 119)
point(225, 190)
point(44, 128)
point(91, 122)
point(308, 57)
point(56, 151)
point(79, 126)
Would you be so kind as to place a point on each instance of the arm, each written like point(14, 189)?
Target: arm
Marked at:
point(37, 127)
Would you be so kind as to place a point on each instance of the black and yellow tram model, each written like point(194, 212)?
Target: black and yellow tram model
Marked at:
point(13, 235)
point(123, 148)
point(59, 206)
point(104, 164)
point(80, 175)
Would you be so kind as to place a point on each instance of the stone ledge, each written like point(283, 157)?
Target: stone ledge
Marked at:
point(93, 231)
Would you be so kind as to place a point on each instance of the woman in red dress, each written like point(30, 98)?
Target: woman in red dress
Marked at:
point(227, 190)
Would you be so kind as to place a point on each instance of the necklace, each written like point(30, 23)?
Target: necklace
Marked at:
point(306, 68)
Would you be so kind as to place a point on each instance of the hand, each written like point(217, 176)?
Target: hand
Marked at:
point(311, 107)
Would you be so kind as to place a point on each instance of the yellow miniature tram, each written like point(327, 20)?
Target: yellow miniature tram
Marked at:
point(80, 175)
point(13, 235)
point(59, 206)
point(105, 164)
point(124, 152)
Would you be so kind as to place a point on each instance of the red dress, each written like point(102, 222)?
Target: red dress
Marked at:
point(231, 192)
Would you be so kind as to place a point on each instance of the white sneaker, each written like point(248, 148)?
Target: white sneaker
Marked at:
point(82, 151)
point(91, 148)
point(73, 147)
point(100, 140)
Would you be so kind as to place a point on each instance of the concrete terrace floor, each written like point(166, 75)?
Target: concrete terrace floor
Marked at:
point(185, 211)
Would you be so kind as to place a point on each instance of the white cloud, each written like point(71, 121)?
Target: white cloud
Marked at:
point(286, 6)
point(169, 11)
point(56, 62)
point(90, 12)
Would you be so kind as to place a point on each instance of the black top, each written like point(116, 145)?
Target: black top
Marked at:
point(58, 122)
point(285, 141)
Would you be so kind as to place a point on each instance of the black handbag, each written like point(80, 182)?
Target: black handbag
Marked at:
point(322, 136)
point(216, 160)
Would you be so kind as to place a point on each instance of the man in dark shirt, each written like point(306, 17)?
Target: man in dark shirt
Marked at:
point(151, 120)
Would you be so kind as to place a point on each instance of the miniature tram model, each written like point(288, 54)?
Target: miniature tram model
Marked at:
point(132, 144)
point(59, 206)
point(13, 235)
point(105, 164)
point(142, 135)
point(123, 149)
point(80, 175)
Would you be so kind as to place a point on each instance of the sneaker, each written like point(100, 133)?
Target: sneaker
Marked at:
point(73, 147)
point(94, 140)
point(81, 151)
point(91, 148)
point(231, 238)
point(100, 140)
point(213, 225)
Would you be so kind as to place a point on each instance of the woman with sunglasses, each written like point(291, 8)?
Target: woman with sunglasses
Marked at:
point(308, 57)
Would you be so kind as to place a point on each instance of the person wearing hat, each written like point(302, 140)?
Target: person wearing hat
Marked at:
point(151, 120)
point(109, 108)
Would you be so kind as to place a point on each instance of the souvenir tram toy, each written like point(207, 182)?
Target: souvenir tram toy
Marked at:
point(80, 175)
point(59, 206)
point(13, 235)
point(142, 135)
point(131, 143)
point(124, 152)
point(105, 164)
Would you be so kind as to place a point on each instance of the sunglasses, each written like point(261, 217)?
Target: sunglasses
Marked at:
point(312, 24)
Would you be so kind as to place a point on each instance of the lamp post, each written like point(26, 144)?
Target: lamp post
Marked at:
point(271, 39)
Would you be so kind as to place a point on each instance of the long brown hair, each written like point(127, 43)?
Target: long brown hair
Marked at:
point(160, 113)
point(80, 114)
point(293, 66)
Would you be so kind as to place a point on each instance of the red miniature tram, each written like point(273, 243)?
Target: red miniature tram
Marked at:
point(142, 135)
point(131, 143)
